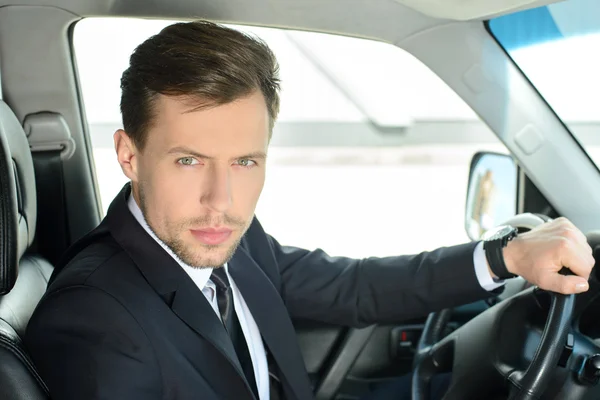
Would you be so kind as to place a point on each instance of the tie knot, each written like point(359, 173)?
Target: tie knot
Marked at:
point(219, 278)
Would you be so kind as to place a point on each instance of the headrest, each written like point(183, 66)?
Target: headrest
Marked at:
point(18, 207)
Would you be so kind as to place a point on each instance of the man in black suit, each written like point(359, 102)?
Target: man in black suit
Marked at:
point(180, 293)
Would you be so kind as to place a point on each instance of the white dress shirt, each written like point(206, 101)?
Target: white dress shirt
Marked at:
point(482, 271)
point(201, 277)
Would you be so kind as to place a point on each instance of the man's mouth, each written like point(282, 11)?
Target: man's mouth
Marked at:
point(212, 236)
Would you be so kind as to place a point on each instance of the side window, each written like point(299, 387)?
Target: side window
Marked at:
point(370, 155)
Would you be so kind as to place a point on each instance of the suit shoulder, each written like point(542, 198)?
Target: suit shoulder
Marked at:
point(96, 258)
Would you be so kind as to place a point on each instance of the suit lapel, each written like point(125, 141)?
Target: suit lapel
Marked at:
point(272, 319)
point(166, 276)
point(191, 306)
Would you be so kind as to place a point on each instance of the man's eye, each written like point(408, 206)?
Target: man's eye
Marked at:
point(244, 162)
point(187, 161)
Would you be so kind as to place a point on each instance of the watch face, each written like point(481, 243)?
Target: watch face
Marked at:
point(498, 232)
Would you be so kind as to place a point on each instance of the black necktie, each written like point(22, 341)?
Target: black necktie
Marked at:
point(232, 324)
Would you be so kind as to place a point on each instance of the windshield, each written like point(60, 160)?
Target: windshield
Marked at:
point(558, 49)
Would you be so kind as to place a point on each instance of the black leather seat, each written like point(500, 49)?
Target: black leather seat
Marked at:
point(23, 275)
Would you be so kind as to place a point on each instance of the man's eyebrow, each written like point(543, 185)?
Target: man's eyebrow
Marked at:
point(256, 154)
point(188, 151)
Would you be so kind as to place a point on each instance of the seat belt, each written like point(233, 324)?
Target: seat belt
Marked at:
point(52, 234)
point(51, 144)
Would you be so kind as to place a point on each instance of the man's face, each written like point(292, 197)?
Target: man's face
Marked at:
point(200, 175)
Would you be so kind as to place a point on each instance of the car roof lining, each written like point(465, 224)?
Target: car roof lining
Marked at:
point(334, 16)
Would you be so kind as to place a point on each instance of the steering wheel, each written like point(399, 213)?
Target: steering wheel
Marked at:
point(506, 349)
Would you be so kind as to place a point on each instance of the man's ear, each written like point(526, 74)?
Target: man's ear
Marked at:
point(127, 154)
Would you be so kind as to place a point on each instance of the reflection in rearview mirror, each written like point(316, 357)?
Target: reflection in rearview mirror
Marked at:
point(492, 193)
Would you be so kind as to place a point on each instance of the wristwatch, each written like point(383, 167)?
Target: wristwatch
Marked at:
point(494, 241)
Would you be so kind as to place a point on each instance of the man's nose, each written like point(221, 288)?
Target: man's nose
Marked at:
point(217, 192)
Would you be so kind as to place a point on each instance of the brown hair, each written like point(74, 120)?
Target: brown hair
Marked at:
point(206, 63)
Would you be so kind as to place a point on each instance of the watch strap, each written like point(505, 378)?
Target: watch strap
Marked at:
point(495, 257)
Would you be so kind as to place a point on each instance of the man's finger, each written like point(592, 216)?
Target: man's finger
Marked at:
point(578, 261)
point(587, 258)
point(584, 245)
point(569, 230)
point(565, 284)
point(576, 234)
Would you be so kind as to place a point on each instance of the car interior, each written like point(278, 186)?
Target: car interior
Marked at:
point(522, 344)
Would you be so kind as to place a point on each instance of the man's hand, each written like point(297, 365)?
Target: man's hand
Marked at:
point(538, 256)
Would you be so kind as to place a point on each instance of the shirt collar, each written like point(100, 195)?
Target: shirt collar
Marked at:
point(200, 276)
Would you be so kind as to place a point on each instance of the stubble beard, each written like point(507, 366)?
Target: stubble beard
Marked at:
point(196, 256)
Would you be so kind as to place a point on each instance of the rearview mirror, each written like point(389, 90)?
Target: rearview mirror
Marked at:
point(491, 194)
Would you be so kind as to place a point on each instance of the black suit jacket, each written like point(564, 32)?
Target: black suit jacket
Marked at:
point(122, 320)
